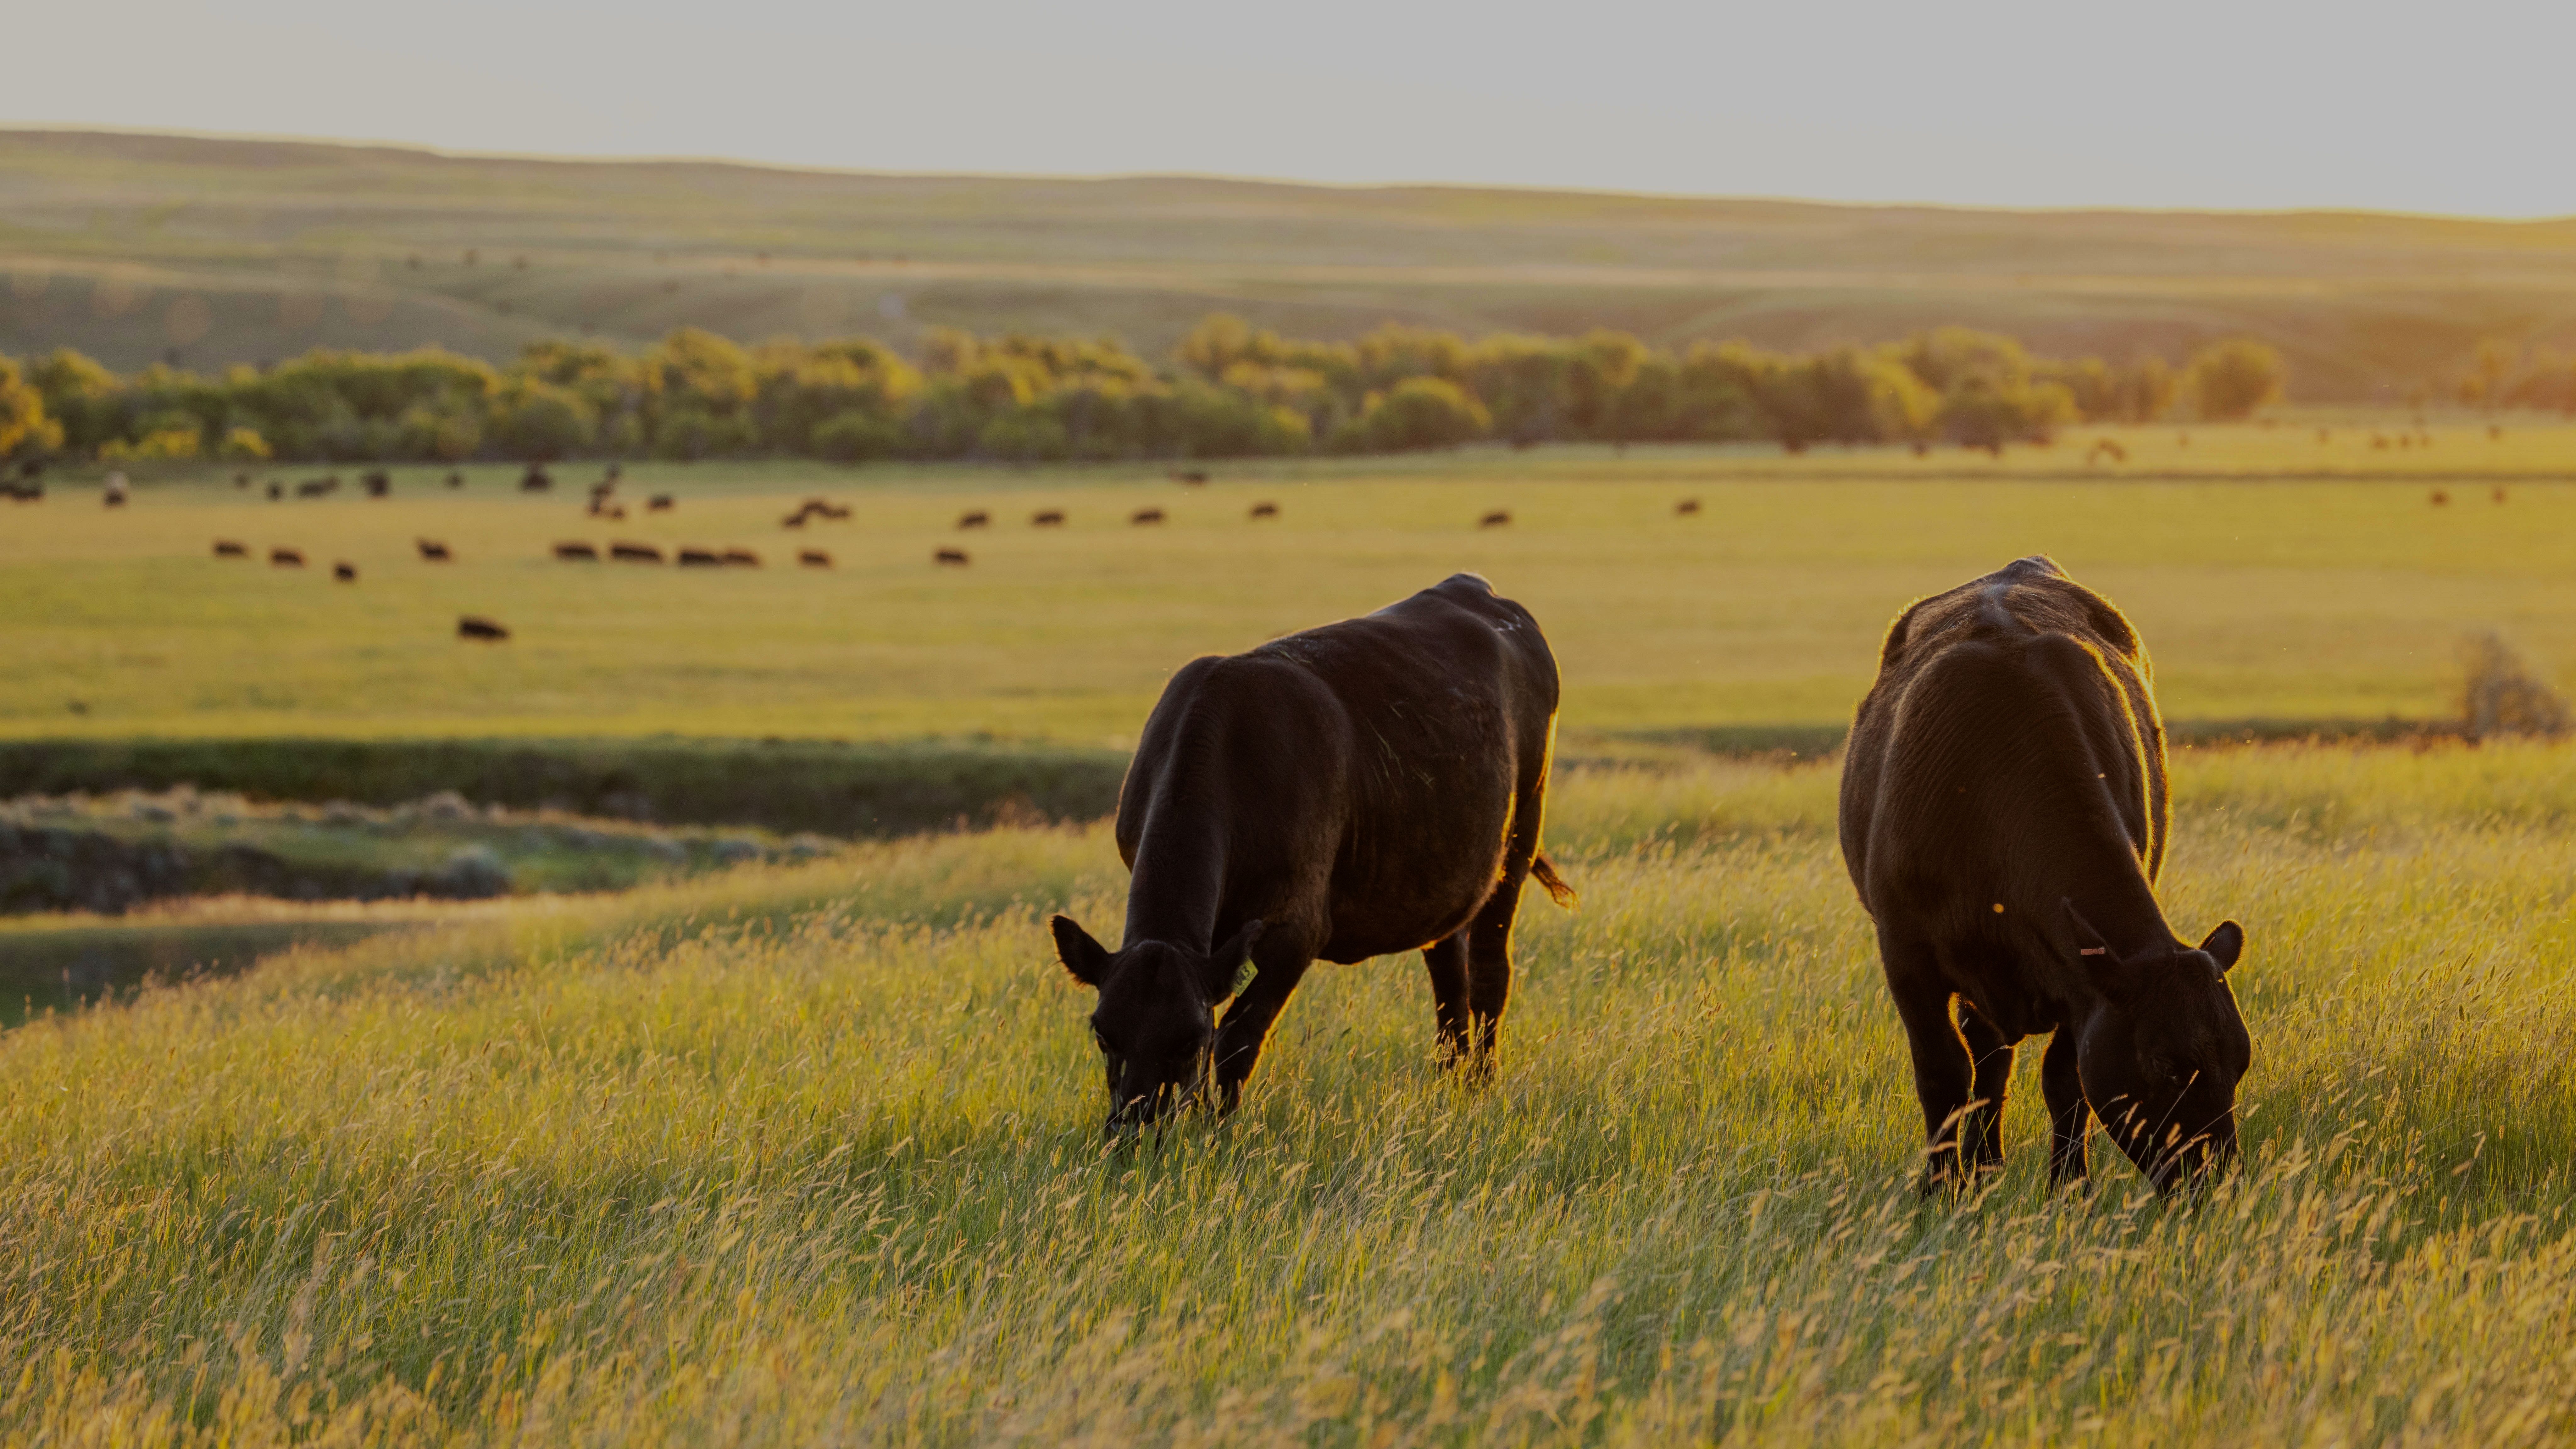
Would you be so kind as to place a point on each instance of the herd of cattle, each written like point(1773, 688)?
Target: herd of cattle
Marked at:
point(1377, 786)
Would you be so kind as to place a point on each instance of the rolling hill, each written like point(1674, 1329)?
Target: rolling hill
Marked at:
point(140, 248)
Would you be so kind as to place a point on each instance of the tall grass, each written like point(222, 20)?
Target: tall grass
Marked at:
point(812, 1153)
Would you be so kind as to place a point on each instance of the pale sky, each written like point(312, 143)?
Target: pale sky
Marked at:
point(2460, 107)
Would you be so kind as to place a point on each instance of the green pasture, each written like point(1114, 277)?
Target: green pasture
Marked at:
point(810, 1153)
point(2275, 575)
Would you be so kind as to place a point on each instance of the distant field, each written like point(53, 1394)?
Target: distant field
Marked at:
point(811, 1154)
point(2263, 591)
point(137, 248)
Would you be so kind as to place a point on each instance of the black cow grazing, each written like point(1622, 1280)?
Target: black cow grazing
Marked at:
point(1265, 510)
point(474, 626)
point(345, 572)
point(285, 558)
point(634, 553)
point(1347, 792)
point(227, 548)
point(576, 553)
point(455, 480)
point(2004, 815)
point(699, 558)
point(276, 491)
point(952, 557)
point(1499, 518)
point(380, 484)
point(1143, 516)
point(1195, 477)
point(976, 519)
point(1048, 518)
point(813, 558)
point(317, 487)
point(741, 558)
point(431, 550)
point(1688, 507)
point(535, 480)
point(658, 503)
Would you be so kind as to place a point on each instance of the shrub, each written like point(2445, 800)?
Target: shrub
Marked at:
point(1421, 412)
point(857, 436)
point(243, 445)
point(2499, 696)
point(2232, 379)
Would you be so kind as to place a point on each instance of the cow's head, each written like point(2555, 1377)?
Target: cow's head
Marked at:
point(2161, 1055)
point(1156, 1022)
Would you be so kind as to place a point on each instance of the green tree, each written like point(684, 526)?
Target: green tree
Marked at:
point(23, 424)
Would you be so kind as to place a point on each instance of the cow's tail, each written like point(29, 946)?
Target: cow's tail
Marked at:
point(1543, 870)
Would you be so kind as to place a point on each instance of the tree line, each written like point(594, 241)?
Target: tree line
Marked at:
point(1229, 390)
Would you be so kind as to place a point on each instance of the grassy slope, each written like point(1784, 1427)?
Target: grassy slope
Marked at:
point(2301, 599)
point(811, 1153)
point(130, 245)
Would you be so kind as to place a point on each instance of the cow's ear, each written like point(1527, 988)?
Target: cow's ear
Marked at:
point(1226, 963)
point(1080, 954)
point(2090, 948)
point(2225, 944)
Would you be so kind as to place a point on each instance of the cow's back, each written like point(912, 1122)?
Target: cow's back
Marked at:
point(2011, 736)
point(1373, 762)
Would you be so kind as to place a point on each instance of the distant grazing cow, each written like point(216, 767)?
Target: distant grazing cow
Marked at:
point(2441, 497)
point(837, 512)
point(741, 558)
point(455, 480)
point(276, 491)
point(317, 487)
point(1499, 518)
point(699, 558)
point(285, 558)
point(2004, 816)
point(380, 484)
point(474, 626)
point(976, 519)
point(1265, 510)
point(1686, 508)
point(535, 480)
point(431, 550)
point(1047, 518)
point(345, 572)
point(1192, 476)
point(634, 553)
point(793, 520)
point(114, 494)
point(950, 556)
point(241, 480)
point(813, 558)
point(576, 552)
point(1347, 792)
point(658, 503)
point(227, 548)
point(1145, 516)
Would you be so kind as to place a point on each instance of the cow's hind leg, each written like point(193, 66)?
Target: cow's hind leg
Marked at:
point(1944, 1074)
point(1447, 960)
point(1981, 1130)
